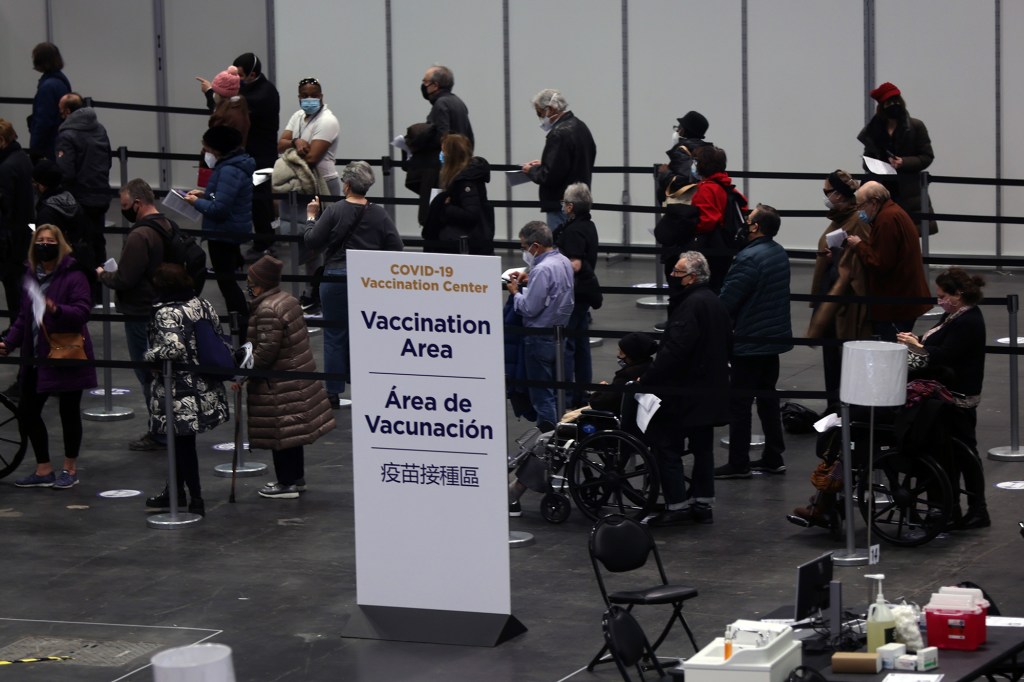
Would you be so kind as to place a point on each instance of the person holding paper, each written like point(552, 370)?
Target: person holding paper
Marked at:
point(568, 156)
point(461, 208)
point(903, 142)
point(690, 374)
point(55, 299)
point(636, 352)
point(838, 271)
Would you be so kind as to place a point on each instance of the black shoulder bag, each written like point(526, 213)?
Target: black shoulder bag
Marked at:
point(318, 276)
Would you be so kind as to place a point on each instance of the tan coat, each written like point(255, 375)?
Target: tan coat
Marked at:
point(283, 413)
point(849, 320)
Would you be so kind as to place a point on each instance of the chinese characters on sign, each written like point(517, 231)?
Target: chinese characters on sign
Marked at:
point(430, 474)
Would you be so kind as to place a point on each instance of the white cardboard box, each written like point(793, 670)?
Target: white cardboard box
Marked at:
point(771, 663)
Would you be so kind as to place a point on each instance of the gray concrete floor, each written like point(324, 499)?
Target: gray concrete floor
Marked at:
point(274, 579)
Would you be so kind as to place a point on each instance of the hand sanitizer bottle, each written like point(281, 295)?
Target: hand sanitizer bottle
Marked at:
point(881, 623)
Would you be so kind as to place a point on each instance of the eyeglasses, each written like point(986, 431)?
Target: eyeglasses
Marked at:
point(680, 273)
point(308, 81)
point(828, 192)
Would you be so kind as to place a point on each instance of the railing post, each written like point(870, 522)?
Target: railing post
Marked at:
point(1013, 452)
point(560, 369)
point(174, 519)
point(851, 556)
point(238, 467)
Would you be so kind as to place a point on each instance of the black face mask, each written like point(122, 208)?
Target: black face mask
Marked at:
point(893, 112)
point(423, 91)
point(46, 252)
point(130, 214)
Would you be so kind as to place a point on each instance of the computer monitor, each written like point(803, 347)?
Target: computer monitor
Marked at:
point(812, 587)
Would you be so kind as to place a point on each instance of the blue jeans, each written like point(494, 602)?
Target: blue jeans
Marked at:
point(334, 304)
point(136, 336)
point(540, 366)
point(577, 354)
point(554, 218)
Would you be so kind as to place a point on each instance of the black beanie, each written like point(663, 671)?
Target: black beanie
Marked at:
point(638, 346)
point(223, 139)
point(47, 174)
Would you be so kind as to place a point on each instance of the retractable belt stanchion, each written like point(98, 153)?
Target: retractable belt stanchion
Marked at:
point(659, 300)
point(851, 556)
point(923, 225)
point(107, 413)
point(293, 203)
point(238, 466)
point(559, 370)
point(1013, 452)
point(176, 518)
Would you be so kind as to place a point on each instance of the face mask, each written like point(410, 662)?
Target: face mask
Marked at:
point(130, 214)
point(423, 91)
point(210, 159)
point(893, 112)
point(310, 105)
point(546, 124)
point(693, 170)
point(440, 157)
point(675, 137)
point(46, 252)
point(622, 362)
point(863, 216)
point(948, 305)
point(828, 204)
point(528, 258)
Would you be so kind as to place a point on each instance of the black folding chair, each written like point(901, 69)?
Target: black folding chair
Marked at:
point(627, 642)
point(619, 545)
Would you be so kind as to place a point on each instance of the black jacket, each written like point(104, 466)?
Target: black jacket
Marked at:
point(959, 349)
point(16, 204)
point(448, 114)
point(693, 359)
point(264, 115)
point(675, 231)
point(58, 207)
point(467, 213)
point(611, 400)
point(83, 156)
point(577, 239)
point(568, 157)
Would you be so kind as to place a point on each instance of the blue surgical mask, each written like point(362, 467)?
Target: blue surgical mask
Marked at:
point(440, 157)
point(863, 215)
point(693, 170)
point(310, 105)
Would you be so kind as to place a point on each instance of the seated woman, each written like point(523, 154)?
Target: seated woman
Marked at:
point(636, 351)
point(953, 352)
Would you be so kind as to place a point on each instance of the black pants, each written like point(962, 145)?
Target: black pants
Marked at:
point(97, 243)
point(262, 217)
point(226, 258)
point(289, 465)
point(754, 373)
point(32, 425)
point(187, 462)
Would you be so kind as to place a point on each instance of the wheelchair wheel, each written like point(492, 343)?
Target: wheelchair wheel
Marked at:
point(555, 507)
point(612, 472)
point(912, 499)
point(12, 443)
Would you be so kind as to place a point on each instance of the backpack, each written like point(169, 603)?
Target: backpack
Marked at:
point(183, 249)
point(797, 418)
point(734, 223)
point(213, 347)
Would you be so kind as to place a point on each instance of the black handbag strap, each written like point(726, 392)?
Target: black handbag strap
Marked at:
point(329, 253)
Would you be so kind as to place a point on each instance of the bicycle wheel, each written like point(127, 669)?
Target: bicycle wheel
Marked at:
point(611, 472)
point(12, 442)
point(912, 499)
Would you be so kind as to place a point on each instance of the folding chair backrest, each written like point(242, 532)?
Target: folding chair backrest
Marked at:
point(620, 544)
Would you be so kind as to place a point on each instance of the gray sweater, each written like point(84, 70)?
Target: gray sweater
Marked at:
point(337, 225)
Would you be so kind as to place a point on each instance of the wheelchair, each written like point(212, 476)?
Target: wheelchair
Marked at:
point(915, 494)
point(592, 462)
point(12, 440)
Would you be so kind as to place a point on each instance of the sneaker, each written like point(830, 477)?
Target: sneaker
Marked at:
point(660, 326)
point(300, 485)
point(36, 481)
point(65, 480)
point(515, 509)
point(730, 471)
point(307, 303)
point(146, 444)
point(278, 491)
point(702, 513)
point(761, 465)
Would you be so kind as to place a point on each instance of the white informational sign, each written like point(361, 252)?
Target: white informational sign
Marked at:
point(428, 431)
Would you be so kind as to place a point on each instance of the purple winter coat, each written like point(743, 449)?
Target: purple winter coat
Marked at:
point(69, 289)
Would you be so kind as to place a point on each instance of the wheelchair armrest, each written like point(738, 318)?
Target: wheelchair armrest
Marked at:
point(598, 413)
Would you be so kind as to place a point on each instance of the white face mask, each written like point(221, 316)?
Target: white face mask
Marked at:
point(546, 124)
point(828, 204)
point(675, 137)
point(210, 159)
point(528, 259)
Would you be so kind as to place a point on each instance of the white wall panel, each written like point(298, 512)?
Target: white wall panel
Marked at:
point(24, 26)
point(1013, 131)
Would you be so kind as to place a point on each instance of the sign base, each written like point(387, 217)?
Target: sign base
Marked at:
point(432, 626)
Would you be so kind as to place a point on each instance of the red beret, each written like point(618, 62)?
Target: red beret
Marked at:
point(884, 92)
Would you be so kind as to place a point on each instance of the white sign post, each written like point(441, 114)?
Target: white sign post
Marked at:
point(428, 449)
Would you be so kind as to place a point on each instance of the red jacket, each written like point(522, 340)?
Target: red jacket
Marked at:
point(710, 200)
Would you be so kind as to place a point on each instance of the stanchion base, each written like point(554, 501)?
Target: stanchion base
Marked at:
point(519, 538)
point(596, 341)
point(171, 521)
point(98, 414)
point(344, 402)
point(244, 470)
point(1006, 453)
point(756, 442)
point(858, 557)
point(652, 302)
point(1006, 341)
point(100, 392)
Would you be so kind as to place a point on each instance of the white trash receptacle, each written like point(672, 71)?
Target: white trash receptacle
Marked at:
point(195, 663)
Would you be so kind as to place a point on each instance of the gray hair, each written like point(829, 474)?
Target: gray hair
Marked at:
point(872, 191)
point(578, 194)
point(549, 97)
point(443, 76)
point(536, 232)
point(696, 264)
point(358, 176)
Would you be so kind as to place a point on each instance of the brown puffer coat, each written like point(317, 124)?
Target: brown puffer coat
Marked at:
point(283, 413)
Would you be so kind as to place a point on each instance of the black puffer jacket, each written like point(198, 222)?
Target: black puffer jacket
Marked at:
point(83, 156)
point(16, 205)
point(60, 208)
point(568, 157)
point(467, 213)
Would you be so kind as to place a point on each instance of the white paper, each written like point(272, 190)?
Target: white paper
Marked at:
point(911, 677)
point(1004, 622)
point(260, 176)
point(433, 193)
point(647, 405)
point(507, 275)
point(399, 143)
point(835, 238)
point(175, 201)
point(35, 294)
point(879, 167)
point(110, 265)
point(32, 226)
point(827, 422)
point(516, 177)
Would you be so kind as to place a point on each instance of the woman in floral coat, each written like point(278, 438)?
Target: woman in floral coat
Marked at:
point(200, 402)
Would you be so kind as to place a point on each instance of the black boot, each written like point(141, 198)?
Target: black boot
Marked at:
point(162, 502)
point(976, 517)
point(197, 506)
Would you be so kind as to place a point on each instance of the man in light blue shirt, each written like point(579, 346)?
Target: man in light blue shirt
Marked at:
point(546, 302)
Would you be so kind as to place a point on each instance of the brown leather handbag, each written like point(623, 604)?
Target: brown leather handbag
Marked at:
point(66, 345)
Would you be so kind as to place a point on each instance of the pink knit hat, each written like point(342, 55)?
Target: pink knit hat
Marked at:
point(227, 82)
